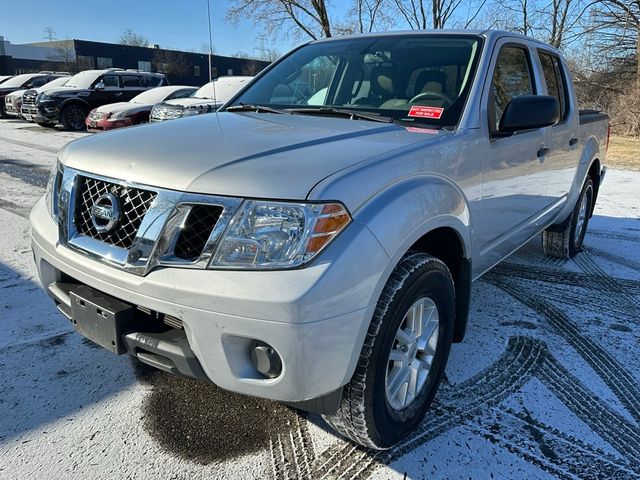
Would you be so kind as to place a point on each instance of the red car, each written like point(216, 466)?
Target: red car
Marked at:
point(135, 111)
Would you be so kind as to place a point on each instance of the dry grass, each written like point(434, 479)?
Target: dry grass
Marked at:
point(624, 153)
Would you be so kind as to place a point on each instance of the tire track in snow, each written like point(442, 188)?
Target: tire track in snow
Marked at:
point(608, 285)
point(514, 368)
point(625, 262)
point(620, 433)
point(29, 145)
point(621, 382)
point(551, 450)
point(559, 277)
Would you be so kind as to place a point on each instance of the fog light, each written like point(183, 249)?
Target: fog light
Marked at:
point(265, 359)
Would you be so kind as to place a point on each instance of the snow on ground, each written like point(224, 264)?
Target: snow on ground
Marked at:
point(545, 385)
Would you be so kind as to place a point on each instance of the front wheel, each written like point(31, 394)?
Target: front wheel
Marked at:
point(73, 118)
point(568, 242)
point(404, 355)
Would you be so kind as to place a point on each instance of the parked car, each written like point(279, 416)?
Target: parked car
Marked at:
point(4, 78)
point(28, 108)
point(207, 99)
point(323, 255)
point(135, 111)
point(13, 103)
point(90, 89)
point(22, 82)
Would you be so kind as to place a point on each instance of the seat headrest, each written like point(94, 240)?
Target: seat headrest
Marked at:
point(382, 81)
point(430, 81)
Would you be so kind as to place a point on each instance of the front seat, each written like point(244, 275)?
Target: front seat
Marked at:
point(432, 82)
point(383, 88)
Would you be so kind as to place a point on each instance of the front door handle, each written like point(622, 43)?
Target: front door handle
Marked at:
point(542, 152)
point(573, 141)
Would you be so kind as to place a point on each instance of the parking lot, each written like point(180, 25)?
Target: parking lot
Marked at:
point(545, 385)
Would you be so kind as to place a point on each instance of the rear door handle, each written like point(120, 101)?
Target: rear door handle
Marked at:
point(542, 152)
point(573, 141)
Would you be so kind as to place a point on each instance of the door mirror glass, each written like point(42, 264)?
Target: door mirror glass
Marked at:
point(99, 85)
point(527, 112)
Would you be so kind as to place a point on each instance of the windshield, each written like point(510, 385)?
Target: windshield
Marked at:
point(58, 82)
point(18, 80)
point(83, 79)
point(154, 95)
point(413, 78)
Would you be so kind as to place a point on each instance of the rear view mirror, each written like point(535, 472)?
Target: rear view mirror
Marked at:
point(528, 112)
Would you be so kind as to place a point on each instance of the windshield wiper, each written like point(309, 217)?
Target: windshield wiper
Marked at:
point(247, 107)
point(352, 114)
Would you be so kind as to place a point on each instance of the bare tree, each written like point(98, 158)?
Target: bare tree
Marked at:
point(64, 56)
point(371, 15)
point(421, 14)
point(309, 17)
point(172, 63)
point(129, 37)
point(616, 29)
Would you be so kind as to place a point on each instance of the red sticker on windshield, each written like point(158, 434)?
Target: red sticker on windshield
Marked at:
point(426, 112)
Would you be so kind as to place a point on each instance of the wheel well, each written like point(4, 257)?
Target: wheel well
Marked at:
point(445, 244)
point(594, 173)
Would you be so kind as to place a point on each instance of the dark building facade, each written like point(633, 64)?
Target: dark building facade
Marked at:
point(186, 68)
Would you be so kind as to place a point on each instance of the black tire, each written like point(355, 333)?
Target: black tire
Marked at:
point(73, 117)
point(365, 414)
point(567, 243)
point(46, 125)
point(3, 113)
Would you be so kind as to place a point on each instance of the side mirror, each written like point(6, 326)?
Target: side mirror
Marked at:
point(99, 85)
point(528, 112)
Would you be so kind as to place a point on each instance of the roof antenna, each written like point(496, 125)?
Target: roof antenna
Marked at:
point(213, 84)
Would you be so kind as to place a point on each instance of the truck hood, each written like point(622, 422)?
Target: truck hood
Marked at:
point(261, 155)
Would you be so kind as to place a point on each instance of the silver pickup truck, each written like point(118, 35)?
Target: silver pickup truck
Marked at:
point(314, 242)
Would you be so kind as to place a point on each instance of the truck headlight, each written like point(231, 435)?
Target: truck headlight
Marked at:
point(275, 235)
point(53, 189)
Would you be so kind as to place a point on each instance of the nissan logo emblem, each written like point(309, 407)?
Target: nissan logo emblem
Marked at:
point(105, 212)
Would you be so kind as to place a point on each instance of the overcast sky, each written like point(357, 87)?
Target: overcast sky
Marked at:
point(171, 24)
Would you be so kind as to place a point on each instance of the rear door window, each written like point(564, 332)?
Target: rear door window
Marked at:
point(131, 81)
point(555, 80)
point(110, 81)
point(511, 79)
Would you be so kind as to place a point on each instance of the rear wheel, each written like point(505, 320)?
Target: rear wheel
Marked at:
point(403, 357)
point(73, 117)
point(568, 242)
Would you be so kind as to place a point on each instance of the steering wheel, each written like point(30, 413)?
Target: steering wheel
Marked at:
point(424, 95)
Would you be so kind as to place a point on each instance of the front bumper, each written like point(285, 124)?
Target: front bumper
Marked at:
point(46, 113)
point(28, 112)
point(102, 124)
point(316, 318)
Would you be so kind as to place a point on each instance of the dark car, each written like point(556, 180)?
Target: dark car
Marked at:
point(90, 89)
point(23, 82)
point(135, 111)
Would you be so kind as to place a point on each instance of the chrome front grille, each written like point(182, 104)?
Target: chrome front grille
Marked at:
point(134, 203)
point(196, 231)
point(29, 99)
point(165, 112)
point(155, 226)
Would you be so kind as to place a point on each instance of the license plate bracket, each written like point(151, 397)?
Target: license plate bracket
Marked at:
point(102, 319)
